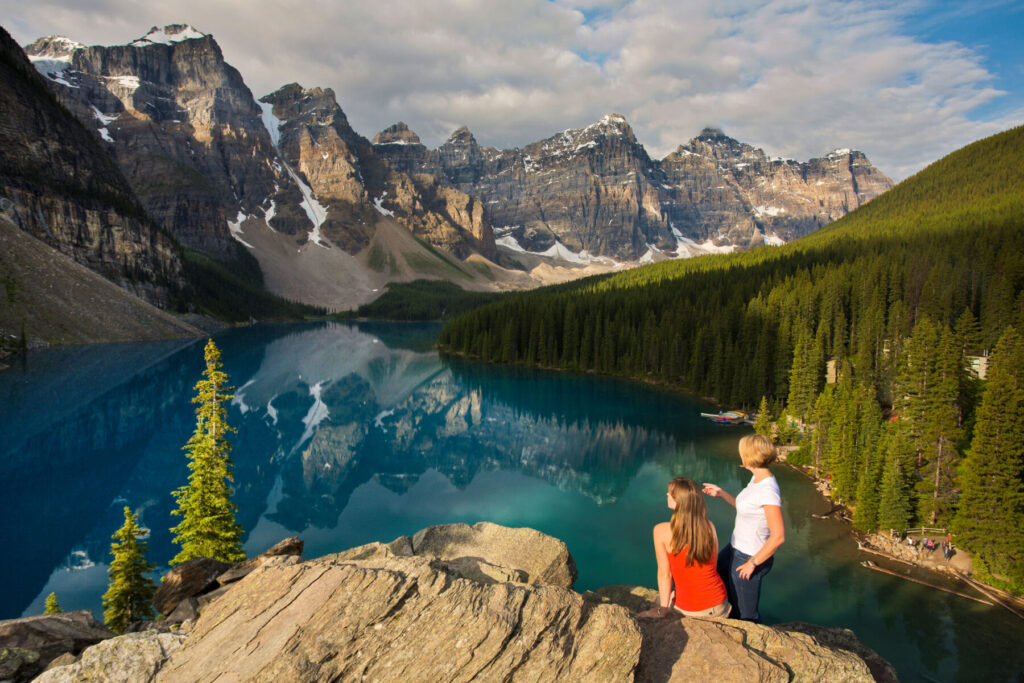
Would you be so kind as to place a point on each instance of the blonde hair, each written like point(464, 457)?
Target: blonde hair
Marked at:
point(690, 526)
point(756, 450)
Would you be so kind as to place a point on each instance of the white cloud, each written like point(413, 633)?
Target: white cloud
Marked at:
point(797, 78)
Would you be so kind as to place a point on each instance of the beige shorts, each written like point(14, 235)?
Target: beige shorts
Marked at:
point(716, 611)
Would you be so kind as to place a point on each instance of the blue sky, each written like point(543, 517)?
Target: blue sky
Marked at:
point(906, 82)
point(994, 31)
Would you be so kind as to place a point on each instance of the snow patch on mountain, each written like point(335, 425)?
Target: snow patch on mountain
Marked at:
point(763, 210)
point(316, 211)
point(168, 35)
point(271, 122)
point(236, 228)
point(130, 83)
point(53, 68)
point(378, 204)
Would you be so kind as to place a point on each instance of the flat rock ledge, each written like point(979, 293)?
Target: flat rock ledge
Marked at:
point(440, 607)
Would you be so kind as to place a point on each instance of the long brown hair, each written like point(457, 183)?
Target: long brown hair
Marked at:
point(690, 525)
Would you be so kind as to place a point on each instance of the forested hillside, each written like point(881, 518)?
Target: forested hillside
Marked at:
point(898, 295)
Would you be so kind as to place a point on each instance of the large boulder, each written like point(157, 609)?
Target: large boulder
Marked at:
point(397, 618)
point(49, 636)
point(677, 648)
point(131, 657)
point(190, 578)
point(545, 559)
point(289, 547)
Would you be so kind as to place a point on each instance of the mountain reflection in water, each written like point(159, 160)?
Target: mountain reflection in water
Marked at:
point(354, 433)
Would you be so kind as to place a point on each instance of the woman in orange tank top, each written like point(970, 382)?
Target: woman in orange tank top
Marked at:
point(687, 549)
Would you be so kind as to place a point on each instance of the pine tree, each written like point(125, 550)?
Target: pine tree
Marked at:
point(52, 606)
point(865, 517)
point(804, 375)
point(763, 423)
point(942, 431)
point(208, 527)
point(130, 594)
point(894, 506)
point(990, 519)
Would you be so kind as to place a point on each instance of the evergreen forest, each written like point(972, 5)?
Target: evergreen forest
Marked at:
point(867, 341)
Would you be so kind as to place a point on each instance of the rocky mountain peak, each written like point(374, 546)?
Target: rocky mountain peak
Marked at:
point(397, 134)
point(711, 134)
point(462, 136)
point(171, 33)
point(713, 142)
point(615, 122)
point(53, 47)
point(316, 106)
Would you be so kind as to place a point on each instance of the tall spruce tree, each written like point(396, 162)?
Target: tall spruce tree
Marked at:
point(894, 505)
point(990, 519)
point(208, 527)
point(804, 375)
point(865, 517)
point(942, 432)
point(130, 594)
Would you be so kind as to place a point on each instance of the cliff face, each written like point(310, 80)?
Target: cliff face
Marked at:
point(59, 184)
point(179, 121)
point(729, 192)
point(356, 186)
point(204, 157)
point(595, 189)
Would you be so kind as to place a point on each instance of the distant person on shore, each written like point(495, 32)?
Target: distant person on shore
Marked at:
point(759, 530)
point(686, 548)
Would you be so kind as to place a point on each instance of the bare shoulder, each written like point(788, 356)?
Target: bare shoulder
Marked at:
point(663, 530)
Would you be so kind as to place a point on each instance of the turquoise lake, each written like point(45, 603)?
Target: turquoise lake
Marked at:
point(355, 433)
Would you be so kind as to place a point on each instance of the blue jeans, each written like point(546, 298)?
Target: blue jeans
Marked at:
point(743, 593)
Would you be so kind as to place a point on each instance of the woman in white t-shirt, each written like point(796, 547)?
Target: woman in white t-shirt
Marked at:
point(759, 529)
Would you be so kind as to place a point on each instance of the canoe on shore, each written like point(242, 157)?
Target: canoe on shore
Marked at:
point(732, 417)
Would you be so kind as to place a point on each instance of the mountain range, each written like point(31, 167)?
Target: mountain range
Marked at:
point(332, 217)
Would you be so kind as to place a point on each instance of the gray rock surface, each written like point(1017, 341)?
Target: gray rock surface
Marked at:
point(677, 648)
point(19, 664)
point(49, 636)
point(291, 546)
point(545, 559)
point(450, 604)
point(134, 657)
point(391, 618)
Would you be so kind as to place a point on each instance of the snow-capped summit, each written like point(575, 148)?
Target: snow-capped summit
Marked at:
point(172, 33)
point(53, 47)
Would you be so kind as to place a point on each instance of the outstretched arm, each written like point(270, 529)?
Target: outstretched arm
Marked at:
point(717, 492)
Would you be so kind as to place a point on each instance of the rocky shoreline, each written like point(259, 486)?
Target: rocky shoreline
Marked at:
point(454, 602)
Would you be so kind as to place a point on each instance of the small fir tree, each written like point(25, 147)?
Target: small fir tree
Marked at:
point(763, 422)
point(52, 606)
point(129, 597)
point(208, 527)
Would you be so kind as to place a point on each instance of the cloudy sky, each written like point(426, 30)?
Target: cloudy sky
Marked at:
point(906, 82)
